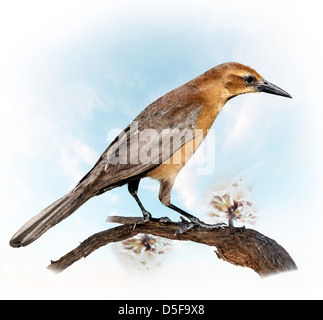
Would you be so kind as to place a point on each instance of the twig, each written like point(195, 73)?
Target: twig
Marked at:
point(239, 246)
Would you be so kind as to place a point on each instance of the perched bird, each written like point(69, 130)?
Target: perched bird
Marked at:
point(182, 117)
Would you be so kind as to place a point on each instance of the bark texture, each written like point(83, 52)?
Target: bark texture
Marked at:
point(239, 246)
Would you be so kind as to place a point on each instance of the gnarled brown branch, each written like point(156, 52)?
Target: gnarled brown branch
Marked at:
point(239, 246)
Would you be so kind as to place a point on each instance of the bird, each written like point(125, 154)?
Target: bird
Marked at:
point(182, 117)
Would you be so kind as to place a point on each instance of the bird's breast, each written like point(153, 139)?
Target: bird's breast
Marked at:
point(168, 170)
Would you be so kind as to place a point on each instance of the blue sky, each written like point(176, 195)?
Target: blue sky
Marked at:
point(75, 71)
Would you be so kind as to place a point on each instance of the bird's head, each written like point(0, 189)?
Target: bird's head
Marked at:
point(236, 79)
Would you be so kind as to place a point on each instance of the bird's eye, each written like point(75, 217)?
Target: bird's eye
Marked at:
point(250, 79)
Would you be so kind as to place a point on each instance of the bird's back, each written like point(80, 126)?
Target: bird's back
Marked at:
point(175, 113)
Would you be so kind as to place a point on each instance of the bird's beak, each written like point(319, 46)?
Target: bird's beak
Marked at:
point(266, 86)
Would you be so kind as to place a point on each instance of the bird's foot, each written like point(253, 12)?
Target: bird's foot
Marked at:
point(162, 219)
point(184, 228)
point(147, 217)
point(195, 222)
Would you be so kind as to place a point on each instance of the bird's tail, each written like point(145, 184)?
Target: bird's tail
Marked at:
point(48, 217)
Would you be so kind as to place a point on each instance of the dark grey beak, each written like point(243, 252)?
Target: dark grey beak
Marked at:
point(266, 86)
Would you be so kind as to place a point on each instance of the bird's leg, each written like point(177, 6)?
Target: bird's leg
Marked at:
point(194, 221)
point(164, 197)
point(133, 189)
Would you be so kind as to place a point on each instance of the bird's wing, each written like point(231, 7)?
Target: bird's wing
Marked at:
point(153, 137)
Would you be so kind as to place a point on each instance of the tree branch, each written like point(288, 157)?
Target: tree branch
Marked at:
point(239, 246)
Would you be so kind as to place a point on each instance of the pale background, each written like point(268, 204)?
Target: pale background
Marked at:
point(71, 71)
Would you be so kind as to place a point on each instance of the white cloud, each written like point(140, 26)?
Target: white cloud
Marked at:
point(186, 186)
point(112, 197)
point(78, 100)
point(241, 121)
point(88, 155)
point(72, 155)
point(113, 213)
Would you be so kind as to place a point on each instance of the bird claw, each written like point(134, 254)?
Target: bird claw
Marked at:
point(199, 223)
point(147, 217)
point(184, 228)
point(213, 226)
point(164, 219)
point(139, 221)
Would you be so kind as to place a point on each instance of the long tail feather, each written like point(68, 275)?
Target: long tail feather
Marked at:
point(48, 217)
